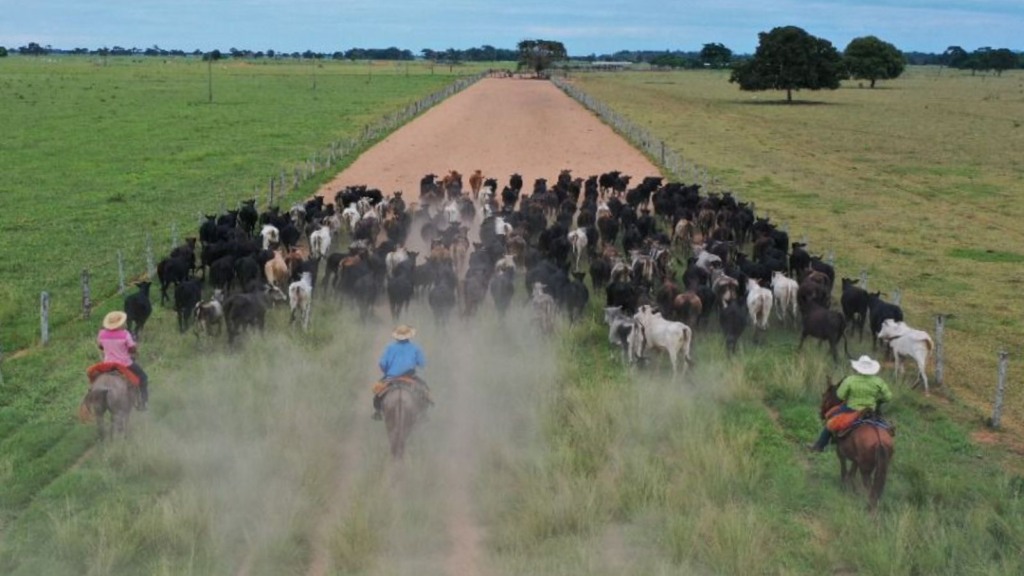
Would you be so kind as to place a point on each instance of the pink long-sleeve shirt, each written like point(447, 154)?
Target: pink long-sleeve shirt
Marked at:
point(117, 346)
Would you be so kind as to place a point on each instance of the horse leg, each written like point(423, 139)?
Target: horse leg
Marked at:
point(121, 421)
point(99, 414)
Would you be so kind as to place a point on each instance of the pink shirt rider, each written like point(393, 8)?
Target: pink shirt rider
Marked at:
point(117, 346)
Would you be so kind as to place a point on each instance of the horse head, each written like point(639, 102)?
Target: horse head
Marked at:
point(829, 398)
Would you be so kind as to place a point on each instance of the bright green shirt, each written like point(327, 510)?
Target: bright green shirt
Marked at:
point(861, 392)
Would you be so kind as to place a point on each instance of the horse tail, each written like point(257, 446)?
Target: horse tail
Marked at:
point(95, 397)
point(85, 415)
point(883, 454)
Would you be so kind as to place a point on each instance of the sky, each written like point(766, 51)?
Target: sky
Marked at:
point(584, 27)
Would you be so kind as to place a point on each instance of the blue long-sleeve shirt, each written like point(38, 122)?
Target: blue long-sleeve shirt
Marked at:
point(400, 357)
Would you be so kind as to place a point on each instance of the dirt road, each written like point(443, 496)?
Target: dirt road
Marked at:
point(501, 127)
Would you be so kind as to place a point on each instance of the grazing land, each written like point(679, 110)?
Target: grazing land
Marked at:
point(917, 182)
point(541, 457)
point(98, 154)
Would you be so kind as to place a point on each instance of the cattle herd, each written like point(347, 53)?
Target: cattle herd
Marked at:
point(669, 259)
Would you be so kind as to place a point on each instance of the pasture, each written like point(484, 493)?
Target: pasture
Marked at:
point(542, 456)
point(915, 182)
point(97, 155)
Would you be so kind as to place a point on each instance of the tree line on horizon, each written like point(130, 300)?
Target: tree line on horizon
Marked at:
point(714, 55)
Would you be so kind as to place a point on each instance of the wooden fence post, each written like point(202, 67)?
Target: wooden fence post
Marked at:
point(270, 195)
point(150, 265)
point(831, 257)
point(86, 295)
point(896, 296)
point(120, 272)
point(1, 362)
point(44, 317)
point(864, 279)
point(997, 408)
point(174, 235)
point(940, 325)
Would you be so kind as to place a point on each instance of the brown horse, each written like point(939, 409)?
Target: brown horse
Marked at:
point(402, 407)
point(110, 392)
point(868, 446)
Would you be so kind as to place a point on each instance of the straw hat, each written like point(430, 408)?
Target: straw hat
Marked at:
point(115, 320)
point(403, 332)
point(866, 365)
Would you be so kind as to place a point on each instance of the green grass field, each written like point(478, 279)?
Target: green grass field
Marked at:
point(575, 465)
point(97, 156)
point(917, 182)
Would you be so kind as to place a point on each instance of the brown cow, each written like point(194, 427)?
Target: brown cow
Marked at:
point(476, 180)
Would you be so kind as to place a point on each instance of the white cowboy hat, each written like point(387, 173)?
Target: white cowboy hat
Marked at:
point(866, 365)
point(403, 332)
point(115, 320)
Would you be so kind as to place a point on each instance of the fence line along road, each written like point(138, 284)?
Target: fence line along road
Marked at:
point(92, 276)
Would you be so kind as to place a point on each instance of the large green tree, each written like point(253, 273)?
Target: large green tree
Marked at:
point(1001, 59)
point(3, 52)
point(788, 58)
point(868, 58)
point(539, 55)
point(715, 55)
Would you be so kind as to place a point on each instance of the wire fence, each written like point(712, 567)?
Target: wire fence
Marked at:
point(98, 274)
point(673, 161)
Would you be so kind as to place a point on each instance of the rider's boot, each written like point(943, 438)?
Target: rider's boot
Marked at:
point(376, 408)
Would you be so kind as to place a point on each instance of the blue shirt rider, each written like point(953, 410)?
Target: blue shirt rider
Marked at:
point(401, 358)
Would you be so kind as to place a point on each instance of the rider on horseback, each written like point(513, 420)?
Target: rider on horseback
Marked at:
point(859, 392)
point(119, 347)
point(399, 361)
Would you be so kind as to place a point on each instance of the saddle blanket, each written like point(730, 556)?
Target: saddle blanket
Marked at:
point(94, 372)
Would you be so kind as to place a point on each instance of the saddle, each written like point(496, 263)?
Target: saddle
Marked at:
point(410, 383)
point(100, 368)
point(843, 423)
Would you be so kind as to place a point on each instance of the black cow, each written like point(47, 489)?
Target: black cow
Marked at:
point(502, 290)
point(186, 295)
point(881, 311)
point(171, 271)
point(442, 296)
point(244, 310)
point(138, 308)
point(247, 217)
point(733, 320)
point(575, 296)
point(620, 294)
point(824, 324)
point(855, 305)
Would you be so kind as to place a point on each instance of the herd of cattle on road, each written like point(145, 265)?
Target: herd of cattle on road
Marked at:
point(667, 257)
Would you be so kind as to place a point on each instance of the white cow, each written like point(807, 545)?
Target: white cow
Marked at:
point(320, 242)
point(543, 306)
point(300, 298)
point(708, 262)
point(908, 341)
point(298, 214)
point(209, 315)
point(451, 213)
point(657, 332)
point(350, 216)
point(620, 326)
point(501, 227)
point(784, 289)
point(578, 241)
point(759, 304)
point(393, 259)
point(271, 235)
